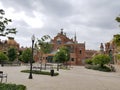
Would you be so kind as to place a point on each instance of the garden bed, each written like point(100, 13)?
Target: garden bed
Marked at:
point(39, 72)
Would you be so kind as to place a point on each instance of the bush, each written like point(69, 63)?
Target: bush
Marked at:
point(4, 86)
point(98, 67)
point(88, 61)
point(101, 59)
point(39, 72)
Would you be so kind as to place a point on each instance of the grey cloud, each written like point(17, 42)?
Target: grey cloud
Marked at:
point(89, 18)
point(96, 14)
point(59, 8)
point(20, 5)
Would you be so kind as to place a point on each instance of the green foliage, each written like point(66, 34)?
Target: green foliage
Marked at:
point(59, 57)
point(3, 25)
point(98, 67)
point(101, 59)
point(118, 19)
point(46, 47)
point(3, 57)
point(117, 56)
point(42, 45)
point(116, 39)
point(12, 54)
point(27, 55)
point(66, 52)
point(4, 86)
point(88, 61)
point(39, 72)
point(62, 55)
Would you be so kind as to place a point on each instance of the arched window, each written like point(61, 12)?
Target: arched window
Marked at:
point(80, 51)
point(59, 41)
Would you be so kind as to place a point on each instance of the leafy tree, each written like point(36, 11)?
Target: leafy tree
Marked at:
point(101, 59)
point(116, 39)
point(3, 57)
point(12, 53)
point(118, 19)
point(62, 55)
point(4, 30)
point(66, 52)
point(26, 55)
point(43, 46)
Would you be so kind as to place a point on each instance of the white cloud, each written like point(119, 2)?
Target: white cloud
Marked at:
point(33, 22)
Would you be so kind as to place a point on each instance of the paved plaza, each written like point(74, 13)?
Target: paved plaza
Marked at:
point(78, 78)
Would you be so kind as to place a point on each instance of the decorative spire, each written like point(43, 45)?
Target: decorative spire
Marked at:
point(101, 48)
point(61, 30)
point(75, 38)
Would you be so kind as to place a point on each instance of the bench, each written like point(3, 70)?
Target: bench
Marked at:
point(2, 75)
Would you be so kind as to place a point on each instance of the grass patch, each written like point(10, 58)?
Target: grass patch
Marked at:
point(4, 86)
point(39, 72)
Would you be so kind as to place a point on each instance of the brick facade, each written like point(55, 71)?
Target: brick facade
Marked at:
point(77, 50)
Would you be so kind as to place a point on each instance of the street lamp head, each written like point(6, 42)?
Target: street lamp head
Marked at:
point(33, 38)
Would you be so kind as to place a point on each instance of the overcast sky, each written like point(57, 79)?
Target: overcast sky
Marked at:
point(92, 20)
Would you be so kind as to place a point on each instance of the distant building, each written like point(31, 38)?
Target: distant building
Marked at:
point(90, 53)
point(77, 50)
point(109, 49)
point(4, 45)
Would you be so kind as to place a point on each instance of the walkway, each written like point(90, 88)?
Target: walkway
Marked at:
point(78, 78)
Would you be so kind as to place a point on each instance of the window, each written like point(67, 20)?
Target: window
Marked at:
point(72, 59)
point(80, 51)
point(58, 41)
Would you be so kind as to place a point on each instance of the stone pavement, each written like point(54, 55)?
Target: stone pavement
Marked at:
point(78, 78)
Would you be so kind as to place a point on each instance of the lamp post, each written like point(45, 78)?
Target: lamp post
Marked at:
point(58, 62)
point(33, 39)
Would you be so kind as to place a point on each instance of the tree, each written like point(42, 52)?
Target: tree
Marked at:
point(62, 55)
point(116, 39)
point(101, 59)
point(12, 53)
point(3, 57)
point(66, 52)
point(26, 55)
point(118, 19)
point(4, 31)
point(43, 46)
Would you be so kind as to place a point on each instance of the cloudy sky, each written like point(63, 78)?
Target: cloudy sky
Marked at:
point(92, 20)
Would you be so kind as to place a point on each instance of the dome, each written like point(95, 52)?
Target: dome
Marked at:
point(11, 41)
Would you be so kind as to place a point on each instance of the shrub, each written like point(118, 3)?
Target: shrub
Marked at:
point(98, 67)
point(88, 61)
point(101, 59)
point(4, 86)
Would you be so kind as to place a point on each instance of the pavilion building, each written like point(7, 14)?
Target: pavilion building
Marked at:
point(77, 50)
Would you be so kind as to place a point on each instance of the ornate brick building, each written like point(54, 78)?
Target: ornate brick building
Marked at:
point(77, 50)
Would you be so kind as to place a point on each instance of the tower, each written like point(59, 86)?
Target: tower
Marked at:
point(101, 48)
point(75, 38)
point(62, 31)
